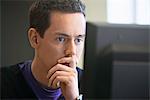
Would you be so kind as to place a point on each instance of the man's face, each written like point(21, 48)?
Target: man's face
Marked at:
point(65, 37)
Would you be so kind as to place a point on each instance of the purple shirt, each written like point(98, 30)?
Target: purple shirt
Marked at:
point(40, 91)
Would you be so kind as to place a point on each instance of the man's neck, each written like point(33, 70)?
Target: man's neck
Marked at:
point(38, 72)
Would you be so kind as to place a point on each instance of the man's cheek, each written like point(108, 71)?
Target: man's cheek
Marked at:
point(79, 53)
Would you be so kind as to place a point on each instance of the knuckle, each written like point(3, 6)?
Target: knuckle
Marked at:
point(57, 72)
point(72, 76)
point(70, 79)
point(75, 71)
point(58, 66)
point(57, 77)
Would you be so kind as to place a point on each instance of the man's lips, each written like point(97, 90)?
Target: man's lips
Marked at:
point(67, 64)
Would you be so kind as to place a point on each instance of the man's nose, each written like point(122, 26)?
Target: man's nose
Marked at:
point(70, 49)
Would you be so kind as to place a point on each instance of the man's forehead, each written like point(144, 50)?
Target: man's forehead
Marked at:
point(68, 25)
point(62, 13)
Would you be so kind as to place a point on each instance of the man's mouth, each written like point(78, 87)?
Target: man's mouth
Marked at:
point(67, 64)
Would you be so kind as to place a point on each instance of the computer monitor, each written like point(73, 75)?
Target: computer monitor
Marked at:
point(116, 62)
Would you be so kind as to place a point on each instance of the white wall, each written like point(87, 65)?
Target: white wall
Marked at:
point(95, 12)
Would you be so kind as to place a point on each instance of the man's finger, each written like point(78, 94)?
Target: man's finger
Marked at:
point(59, 73)
point(68, 61)
point(58, 67)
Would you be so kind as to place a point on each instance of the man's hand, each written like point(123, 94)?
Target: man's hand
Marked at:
point(65, 72)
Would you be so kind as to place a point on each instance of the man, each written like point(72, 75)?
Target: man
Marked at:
point(57, 33)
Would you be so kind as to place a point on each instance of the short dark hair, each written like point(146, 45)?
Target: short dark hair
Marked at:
point(40, 11)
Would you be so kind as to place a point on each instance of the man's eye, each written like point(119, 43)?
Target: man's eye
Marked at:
point(61, 39)
point(78, 41)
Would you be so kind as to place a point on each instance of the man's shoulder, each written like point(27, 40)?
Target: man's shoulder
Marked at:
point(9, 71)
point(9, 76)
point(80, 71)
point(13, 82)
point(13, 69)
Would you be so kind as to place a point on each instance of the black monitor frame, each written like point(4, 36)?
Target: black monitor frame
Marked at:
point(99, 61)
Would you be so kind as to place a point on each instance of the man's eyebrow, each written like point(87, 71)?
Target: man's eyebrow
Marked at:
point(66, 35)
point(62, 34)
point(81, 36)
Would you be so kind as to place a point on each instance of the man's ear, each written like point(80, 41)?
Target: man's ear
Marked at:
point(33, 37)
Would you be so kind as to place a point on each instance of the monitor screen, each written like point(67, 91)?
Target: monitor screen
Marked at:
point(116, 62)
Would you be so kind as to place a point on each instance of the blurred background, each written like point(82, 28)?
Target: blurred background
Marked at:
point(14, 23)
